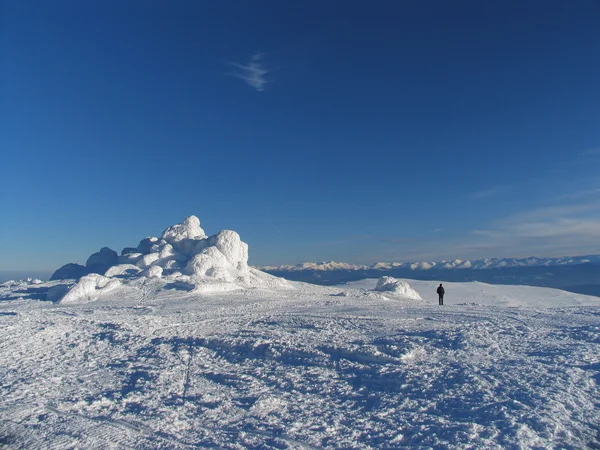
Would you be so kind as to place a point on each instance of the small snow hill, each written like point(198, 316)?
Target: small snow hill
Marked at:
point(159, 361)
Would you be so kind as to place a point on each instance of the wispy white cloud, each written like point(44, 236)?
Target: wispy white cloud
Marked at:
point(555, 230)
point(494, 190)
point(254, 73)
point(553, 212)
point(549, 231)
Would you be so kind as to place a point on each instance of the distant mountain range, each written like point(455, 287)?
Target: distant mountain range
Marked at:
point(487, 263)
point(579, 274)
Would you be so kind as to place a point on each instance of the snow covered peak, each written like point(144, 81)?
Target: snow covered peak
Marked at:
point(321, 266)
point(456, 264)
point(487, 263)
point(333, 265)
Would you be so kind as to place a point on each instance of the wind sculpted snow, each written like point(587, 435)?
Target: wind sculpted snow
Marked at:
point(155, 366)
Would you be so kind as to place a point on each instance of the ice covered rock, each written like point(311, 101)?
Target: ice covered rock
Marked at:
point(153, 272)
point(129, 258)
point(194, 246)
point(183, 254)
point(173, 263)
point(190, 247)
point(166, 251)
point(122, 270)
point(399, 287)
point(231, 246)
point(186, 237)
point(188, 229)
point(106, 257)
point(88, 288)
point(211, 263)
point(69, 271)
point(150, 245)
point(147, 260)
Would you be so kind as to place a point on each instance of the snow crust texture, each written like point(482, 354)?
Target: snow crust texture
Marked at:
point(183, 256)
point(147, 367)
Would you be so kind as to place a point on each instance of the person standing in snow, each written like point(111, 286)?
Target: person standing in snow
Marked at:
point(440, 291)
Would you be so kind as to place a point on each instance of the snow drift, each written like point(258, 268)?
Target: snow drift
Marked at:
point(183, 255)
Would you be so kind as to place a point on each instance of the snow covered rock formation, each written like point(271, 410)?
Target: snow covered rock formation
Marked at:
point(88, 288)
point(399, 287)
point(103, 259)
point(69, 271)
point(184, 255)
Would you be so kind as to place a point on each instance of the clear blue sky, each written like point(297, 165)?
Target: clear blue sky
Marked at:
point(352, 131)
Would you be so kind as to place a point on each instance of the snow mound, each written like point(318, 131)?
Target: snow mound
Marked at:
point(122, 270)
point(398, 287)
point(88, 288)
point(183, 256)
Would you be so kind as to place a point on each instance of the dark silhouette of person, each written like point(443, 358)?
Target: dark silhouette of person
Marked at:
point(440, 291)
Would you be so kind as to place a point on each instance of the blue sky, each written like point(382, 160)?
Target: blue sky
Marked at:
point(336, 130)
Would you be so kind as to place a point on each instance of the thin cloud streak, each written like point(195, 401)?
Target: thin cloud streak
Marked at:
point(552, 213)
point(490, 192)
point(579, 194)
point(253, 73)
point(549, 231)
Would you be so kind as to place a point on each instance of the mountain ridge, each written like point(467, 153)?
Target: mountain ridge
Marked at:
point(579, 274)
point(485, 263)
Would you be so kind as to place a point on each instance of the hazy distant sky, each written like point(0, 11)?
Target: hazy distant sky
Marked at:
point(353, 131)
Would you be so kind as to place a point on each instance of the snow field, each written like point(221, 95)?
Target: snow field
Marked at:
point(149, 366)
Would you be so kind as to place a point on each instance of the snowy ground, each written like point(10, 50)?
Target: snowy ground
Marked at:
point(313, 367)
